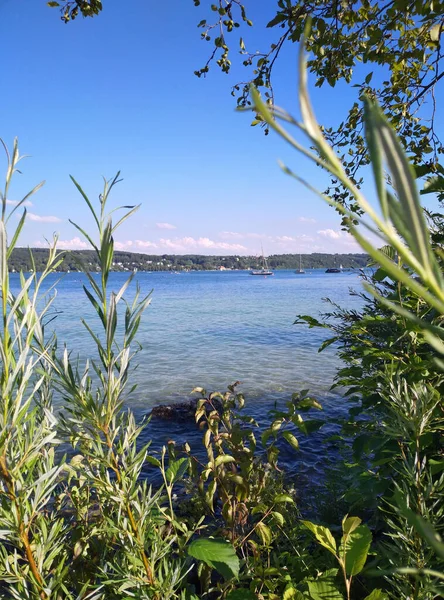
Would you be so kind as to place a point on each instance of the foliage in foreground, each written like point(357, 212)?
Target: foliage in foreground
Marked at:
point(393, 348)
point(91, 526)
point(80, 520)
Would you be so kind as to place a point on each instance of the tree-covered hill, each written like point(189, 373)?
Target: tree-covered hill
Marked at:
point(83, 260)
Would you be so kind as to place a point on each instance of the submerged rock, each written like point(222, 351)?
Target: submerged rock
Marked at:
point(180, 411)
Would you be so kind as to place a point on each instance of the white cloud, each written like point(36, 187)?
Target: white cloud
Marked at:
point(134, 246)
point(203, 243)
point(44, 219)
point(165, 226)
point(15, 202)
point(123, 245)
point(179, 245)
point(330, 234)
point(145, 244)
point(75, 244)
point(306, 220)
point(339, 241)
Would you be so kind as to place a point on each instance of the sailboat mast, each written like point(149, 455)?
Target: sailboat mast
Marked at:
point(264, 260)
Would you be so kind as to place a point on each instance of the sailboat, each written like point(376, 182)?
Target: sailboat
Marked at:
point(300, 271)
point(264, 271)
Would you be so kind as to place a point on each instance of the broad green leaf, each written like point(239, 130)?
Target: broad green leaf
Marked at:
point(433, 185)
point(291, 439)
point(279, 518)
point(282, 498)
point(349, 524)
point(324, 588)
point(323, 535)
point(177, 470)
point(264, 532)
point(354, 548)
point(223, 459)
point(199, 390)
point(291, 593)
point(217, 554)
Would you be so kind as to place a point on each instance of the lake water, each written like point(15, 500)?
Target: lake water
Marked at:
point(210, 329)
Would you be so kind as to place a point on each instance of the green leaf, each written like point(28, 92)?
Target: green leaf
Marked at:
point(279, 18)
point(291, 439)
point(223, 459)
point(17, 232)
point(199, 390)
point(403, 178)
point(355, 546)
point(349, 524)
point(307, 403)
point(433, 185)
point(264, 532)
point(423, 527)
point(376, 595)
point(291, 593)
point(279, 518)
point(282, 499)
point(177, 470)
point(217, 554)
point(435, 32)
point(324, 588)
point(3, 253)
point(323, 536)
point(153, 461)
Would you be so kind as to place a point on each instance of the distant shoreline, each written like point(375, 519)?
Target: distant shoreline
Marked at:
point(86, 260)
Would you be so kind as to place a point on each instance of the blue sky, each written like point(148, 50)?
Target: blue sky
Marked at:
point(118, 92)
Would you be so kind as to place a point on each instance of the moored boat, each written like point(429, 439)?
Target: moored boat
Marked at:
point(264, 271)
point(300, 271)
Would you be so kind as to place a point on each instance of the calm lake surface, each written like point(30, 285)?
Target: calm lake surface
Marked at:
point(210, 329)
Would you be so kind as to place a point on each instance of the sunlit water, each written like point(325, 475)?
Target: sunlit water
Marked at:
point(210, 329)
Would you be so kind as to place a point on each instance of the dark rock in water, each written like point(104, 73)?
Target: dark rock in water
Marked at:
point(180, 411)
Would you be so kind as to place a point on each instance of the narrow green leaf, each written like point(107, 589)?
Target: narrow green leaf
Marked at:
point(375, 152)
point(87, 200)
point(3, 254)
